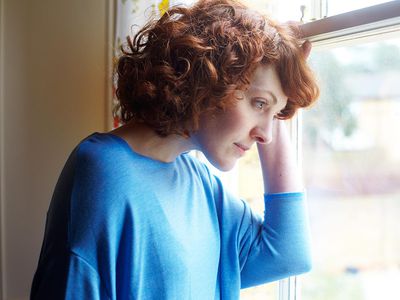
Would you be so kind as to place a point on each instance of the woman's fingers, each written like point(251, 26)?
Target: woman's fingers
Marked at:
point(306, 48)
point(296, 27)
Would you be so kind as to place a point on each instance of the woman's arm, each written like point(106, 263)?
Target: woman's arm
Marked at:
point(278, 163)
point(280, 245)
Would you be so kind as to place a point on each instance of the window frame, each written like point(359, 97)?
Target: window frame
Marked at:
point(380, 19)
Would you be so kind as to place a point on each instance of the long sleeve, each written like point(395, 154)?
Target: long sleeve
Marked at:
point(256, 250)
point(69, 277)
point(279, 247)
point(83, 282)
point(63, 273)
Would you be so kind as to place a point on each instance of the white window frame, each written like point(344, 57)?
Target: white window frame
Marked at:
point(381, 19)
point(376, 22)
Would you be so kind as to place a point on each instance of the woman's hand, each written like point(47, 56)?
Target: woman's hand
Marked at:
point(306, 46)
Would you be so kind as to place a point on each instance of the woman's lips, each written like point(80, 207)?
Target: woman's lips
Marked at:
point(242, 148)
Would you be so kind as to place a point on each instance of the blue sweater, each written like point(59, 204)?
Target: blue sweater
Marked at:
point(124, 226)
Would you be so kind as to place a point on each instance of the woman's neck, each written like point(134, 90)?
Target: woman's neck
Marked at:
point(145, 141)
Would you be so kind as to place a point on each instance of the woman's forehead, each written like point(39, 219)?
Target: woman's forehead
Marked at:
point(266, 80)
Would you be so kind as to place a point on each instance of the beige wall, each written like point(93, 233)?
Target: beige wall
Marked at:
point(53, 93)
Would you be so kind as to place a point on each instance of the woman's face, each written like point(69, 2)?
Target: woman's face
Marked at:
point(226, 136)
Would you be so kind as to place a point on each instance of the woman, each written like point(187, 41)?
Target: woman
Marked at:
point(134, 216)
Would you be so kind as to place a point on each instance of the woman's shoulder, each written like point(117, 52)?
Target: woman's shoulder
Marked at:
point(102, 146)
point(100, 143)
point(102, 153)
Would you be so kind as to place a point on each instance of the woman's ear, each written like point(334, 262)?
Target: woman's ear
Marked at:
point(306, 48)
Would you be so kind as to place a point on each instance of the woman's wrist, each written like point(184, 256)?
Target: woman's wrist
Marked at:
point(278, 163)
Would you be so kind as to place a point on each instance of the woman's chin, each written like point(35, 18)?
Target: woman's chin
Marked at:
point(225, 165)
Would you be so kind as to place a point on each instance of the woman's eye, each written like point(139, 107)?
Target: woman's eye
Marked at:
point(260, 104)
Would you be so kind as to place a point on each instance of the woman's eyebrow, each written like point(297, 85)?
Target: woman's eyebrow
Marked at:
point(265, 91)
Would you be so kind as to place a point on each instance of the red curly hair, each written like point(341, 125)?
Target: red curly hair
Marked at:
point(191, 61)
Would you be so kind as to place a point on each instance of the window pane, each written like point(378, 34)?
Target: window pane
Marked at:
point(351, 163)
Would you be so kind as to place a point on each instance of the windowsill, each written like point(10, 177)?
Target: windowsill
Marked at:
point(377, 19)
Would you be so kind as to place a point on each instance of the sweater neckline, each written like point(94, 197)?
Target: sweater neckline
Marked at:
point(125, 145)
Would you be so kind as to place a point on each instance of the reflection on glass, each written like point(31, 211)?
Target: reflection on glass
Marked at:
point(351, 162)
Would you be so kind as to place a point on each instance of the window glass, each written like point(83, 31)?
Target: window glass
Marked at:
point(351, 165)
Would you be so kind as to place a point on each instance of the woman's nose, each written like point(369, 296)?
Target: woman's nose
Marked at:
point(262, 134)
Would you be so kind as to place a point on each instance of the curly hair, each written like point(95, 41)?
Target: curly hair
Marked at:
point(191, 61)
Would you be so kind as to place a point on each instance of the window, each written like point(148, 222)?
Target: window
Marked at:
point(351, 159)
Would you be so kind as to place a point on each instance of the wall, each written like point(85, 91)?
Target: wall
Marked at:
point(53, 93)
